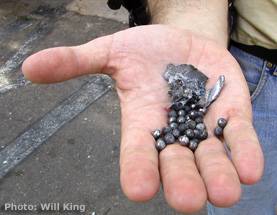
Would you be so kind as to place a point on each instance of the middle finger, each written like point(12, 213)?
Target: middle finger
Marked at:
point(183, 187)
point(218, 173)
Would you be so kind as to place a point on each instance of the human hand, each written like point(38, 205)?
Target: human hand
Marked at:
point(137, 58)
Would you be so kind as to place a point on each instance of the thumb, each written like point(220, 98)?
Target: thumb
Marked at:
point(60, 64)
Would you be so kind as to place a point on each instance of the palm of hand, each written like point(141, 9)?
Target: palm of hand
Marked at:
point(137, 59)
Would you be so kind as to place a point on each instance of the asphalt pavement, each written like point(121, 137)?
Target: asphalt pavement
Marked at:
point(60, 143)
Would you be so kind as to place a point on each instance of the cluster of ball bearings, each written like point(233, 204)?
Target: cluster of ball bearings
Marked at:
point(186, 126)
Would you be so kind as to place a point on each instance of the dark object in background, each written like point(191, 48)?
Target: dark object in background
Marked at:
point(137, 10)
point(138, 13)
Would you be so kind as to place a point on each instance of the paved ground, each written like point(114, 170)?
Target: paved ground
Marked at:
point(60, 143)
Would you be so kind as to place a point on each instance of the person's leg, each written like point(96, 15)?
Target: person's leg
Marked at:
point(262, 80)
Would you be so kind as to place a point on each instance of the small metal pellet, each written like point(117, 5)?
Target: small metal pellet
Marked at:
point(218, 131)
point(160, 144)
point(222, 122)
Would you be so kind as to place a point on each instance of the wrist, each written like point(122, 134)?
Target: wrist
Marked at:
point(208, 19)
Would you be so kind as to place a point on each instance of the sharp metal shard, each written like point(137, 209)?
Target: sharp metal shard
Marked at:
point(212, 94)
point(187, 84)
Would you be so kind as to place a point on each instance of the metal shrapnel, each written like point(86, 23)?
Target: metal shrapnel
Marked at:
point(186, 83)
point(212, 94)
point(189, 102)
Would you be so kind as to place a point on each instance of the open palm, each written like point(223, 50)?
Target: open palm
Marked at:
point(137, 59)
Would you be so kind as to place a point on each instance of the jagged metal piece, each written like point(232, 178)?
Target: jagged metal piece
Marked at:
point(187, 84)
point(212, 94)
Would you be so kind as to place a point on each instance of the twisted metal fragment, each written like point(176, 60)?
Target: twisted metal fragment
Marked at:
point(186, 83)
point(212, 94)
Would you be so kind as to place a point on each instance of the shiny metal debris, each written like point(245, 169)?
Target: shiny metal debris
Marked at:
point(212, 94)
point(189, 102)
point(186, 83)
